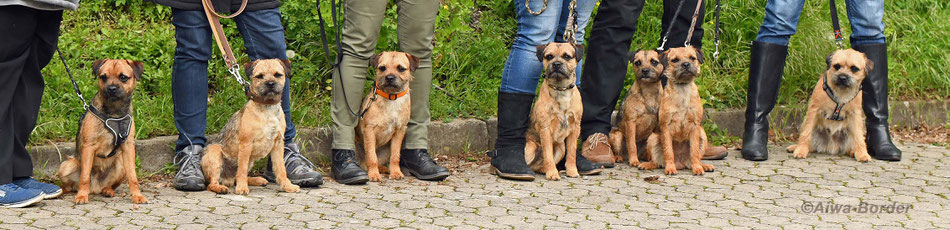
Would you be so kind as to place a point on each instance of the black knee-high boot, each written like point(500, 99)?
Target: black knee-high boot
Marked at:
point(765, 77)
point(875, 99)
point(507, 159)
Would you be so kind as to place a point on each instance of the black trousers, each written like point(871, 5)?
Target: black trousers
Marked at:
point(27, 42)
point(606, 63)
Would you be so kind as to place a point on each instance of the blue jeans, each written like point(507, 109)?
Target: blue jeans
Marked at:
point(781, 21)
point(523, 69)
point(263, 38)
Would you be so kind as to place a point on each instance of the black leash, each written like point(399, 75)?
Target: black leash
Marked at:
point(335, 62)
point(716, 32)
point(124, 123)
point(670, 27)
point(836, 115)
point(835, 25)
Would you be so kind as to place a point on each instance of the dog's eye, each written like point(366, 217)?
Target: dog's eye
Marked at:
point(566, 57)
point(675, 60)
point(401, 69)
point(259, 76)
point(837, 66)
point(855, 69)
point(654, 62)
point(103, 77)
point(123, 78)
point(549, 57)
point(692, 58)
point(637, 63)
point(382, 68)
point(277, 75)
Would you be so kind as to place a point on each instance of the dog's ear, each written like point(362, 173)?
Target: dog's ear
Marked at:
point(868, 67)
point(540, 52)
point(373, 61)
point(249, 68)
point(137, 69)
point(632, 55)
point(699, 55)
point(578, 52)
point(287, 69)
point(96, 65)
point(413, 62)
point(663, 58)
point(828, 59)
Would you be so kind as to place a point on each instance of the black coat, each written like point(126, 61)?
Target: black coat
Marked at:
point(221, 6)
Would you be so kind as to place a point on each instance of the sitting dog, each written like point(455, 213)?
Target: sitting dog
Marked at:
point(680, 115)
point(556, 116)
point(255, 131)
point(106, 138)
point(639, 110)
point(386, 113)
point(835, 119)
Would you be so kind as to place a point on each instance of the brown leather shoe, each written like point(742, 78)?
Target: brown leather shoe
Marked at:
point(715, 153)
point(597, 149)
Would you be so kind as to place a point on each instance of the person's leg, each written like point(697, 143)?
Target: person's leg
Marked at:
point(361, 25)
point(264, 39)
point(605, 66)
point(415, 29)
point(867, 36)
point(189, 95)
point(765, 73)
point(681, 22)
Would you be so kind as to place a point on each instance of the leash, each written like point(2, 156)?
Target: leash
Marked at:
point(335, 61)
point(692, 24)
point(716, 32)
point(571, 28)
point(543, 7)
point(835, 25)
point(670, 27)
point(118, 137)
point(218, 31)
point(836, 115)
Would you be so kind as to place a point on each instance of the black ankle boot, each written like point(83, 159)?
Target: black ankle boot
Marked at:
point(765, 77)
point(344, 168)
point(875, 99)
point(420, 165)
point(507, 160)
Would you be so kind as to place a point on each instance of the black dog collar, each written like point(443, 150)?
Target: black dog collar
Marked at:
point(563, 88)
point(836, 115)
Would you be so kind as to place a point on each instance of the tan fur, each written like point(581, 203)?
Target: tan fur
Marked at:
point(91, 173)
point(255, 131)
point(681, 113)
point(819, 134)
point(639, 110)
point(556, 116)
point(384, 125)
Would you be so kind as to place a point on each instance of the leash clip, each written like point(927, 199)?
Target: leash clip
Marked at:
point(235, 71)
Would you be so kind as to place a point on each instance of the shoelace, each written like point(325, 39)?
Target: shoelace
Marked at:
point(595, 140)
point(188, 163)
point(295, 159)
point(345, 158)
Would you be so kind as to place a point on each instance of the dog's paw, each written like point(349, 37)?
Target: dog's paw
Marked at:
point(670, 170)
point(257, 181)
point(573, 173)
point(552, 175)
point(290, 188)
point(217, 188)
point(647, 166)
point(709, 168)
point(791, 148)
point(375, 177)
point(698, 169)
point(107, 192)
point(862, 157)
point(242, 190)
point(801, 153)
point(82, 199)
point(634, 163)
point(618, 158)
point(396, 175)
point(139, 199)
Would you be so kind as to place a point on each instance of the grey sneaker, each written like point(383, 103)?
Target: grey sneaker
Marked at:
point(189, 176)
point(300, 171)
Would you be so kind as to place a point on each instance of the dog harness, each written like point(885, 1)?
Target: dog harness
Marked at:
point(119, 127)
point(836, 115)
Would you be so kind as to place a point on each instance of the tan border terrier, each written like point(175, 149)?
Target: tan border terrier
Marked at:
point(386, 114)
point(639, 109)
point(556, 116)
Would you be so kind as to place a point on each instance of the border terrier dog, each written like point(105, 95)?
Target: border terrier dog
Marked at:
point(834, 122)
point(556, 116)
point(639, 110)
point(255, 131)
point(106, 138)
point(386, 114)
point(681, 114)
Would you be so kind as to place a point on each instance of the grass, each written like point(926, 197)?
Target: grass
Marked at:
point(470, 49)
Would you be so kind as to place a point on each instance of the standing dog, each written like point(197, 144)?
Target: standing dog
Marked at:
point(681, 114)
point(835, 120)
point(386, 113)
point(106, 138)
point(556, 116)
point(255, 131)
point(640, 109)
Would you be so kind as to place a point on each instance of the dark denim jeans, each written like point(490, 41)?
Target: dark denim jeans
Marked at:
point(264, 39)
point(781, 21)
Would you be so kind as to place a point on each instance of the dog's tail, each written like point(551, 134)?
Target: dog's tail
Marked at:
point(69, 174)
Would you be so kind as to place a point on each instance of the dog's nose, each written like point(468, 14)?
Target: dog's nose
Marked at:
point(645, 71)
point(271, 84)
point(390, 78)
point(686, 65)
point(557, 65)
point(842, 79)
point(112, 88)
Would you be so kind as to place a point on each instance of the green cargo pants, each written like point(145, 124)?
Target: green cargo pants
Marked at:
point(362, 22)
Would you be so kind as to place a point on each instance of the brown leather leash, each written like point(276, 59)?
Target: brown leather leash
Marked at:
point(218, 31)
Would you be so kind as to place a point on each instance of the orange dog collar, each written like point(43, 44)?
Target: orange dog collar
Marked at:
point(391, 96)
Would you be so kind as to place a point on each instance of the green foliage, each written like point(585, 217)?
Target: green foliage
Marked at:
point(471, 46)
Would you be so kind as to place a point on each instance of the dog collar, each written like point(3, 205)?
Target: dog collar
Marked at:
point(835, 115)
point(118, 127)
point(390, 96)
point(562, 88)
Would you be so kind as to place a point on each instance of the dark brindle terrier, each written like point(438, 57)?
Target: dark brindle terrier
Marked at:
point(255, 131)
point(639, 110)
point(106, 138)
point(556, 116)
point(835, 119)
point(383, 126)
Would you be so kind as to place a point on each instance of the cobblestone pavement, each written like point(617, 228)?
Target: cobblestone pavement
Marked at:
point(779, 193)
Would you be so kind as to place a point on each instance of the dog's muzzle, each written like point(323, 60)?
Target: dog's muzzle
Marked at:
point(843, 80)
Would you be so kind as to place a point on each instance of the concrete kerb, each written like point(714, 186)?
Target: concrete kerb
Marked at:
point(475, 135)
